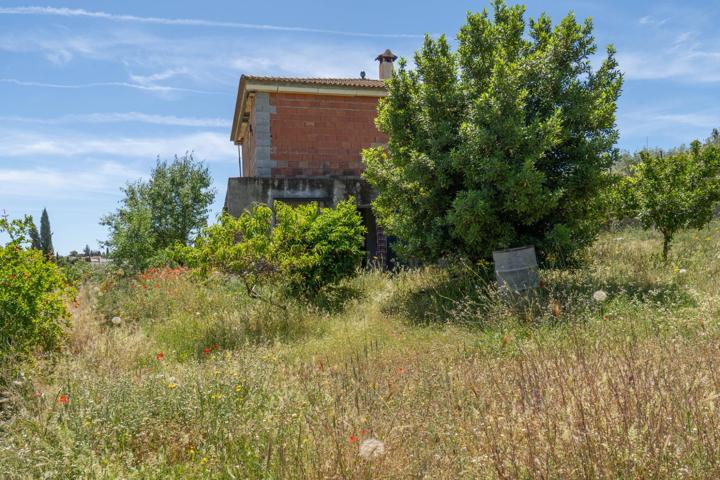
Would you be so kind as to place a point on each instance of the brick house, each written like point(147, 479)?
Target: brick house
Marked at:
point(299, 140)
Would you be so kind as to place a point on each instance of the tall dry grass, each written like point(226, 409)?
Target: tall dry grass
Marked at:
point(455, 380)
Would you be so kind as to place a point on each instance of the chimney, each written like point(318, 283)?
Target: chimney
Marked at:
point(386, 60)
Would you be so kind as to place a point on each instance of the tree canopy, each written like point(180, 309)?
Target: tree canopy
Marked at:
point(46, 244)
point(504, 142)
point(672, 190)
point(170, 208)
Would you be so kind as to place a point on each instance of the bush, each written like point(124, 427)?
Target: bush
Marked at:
point(307, 248)
point(33, 295)
point(506, 142)
point(318, 247)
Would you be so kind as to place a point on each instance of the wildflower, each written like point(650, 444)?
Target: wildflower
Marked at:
point(38, 394)
point(215, 346)
point(160, 355)
point(116, 321)
point(371, 448)
point(599, 296)
point(206, 350)
point(364, 432)
point(353, 439)
point(63, 399)
point(401, 370)
point(172, 386)
point(682, 271)
point(555, 308)
point(203, 460)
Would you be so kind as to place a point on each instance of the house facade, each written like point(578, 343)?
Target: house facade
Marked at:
point(300, 140)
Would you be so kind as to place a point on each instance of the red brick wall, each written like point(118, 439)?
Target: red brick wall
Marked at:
point(248, 147)
point(314, 135)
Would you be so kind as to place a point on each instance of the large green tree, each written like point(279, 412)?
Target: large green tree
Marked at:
point(506, 141)
point(46, 244)
point(170, 208)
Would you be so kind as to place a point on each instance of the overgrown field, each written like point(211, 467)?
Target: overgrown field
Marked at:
point(199, 381)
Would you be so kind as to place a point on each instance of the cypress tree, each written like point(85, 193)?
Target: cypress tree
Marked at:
point(45, 234)
point(34, 237)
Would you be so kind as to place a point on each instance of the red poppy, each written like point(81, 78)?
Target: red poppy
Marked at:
point(401, 370)
point(64, 399)
point(215, 346)
point(159, 355)
point(353, 439)
point(363, 432)
point(206, 350)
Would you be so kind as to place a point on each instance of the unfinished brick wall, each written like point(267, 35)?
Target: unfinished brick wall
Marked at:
point(317, 135)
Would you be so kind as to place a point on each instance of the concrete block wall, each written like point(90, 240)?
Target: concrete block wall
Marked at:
point(248, 147)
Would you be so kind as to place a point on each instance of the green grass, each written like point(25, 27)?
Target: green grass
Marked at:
point(457, 381)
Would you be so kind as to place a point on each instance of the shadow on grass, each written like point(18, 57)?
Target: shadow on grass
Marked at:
point(334, 298)
point(478, 303)
point(434, 302)
point(668, 295)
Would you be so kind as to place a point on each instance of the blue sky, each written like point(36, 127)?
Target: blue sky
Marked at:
point(92, 92)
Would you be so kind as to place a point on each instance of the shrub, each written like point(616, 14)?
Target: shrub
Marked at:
point(33, 295)
point(307, 248)
point(672, 191)
point(506, 142)
point(318, 247)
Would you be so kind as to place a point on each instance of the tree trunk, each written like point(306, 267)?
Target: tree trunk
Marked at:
point(667, 238)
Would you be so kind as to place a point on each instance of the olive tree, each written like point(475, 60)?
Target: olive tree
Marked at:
point(506, 141)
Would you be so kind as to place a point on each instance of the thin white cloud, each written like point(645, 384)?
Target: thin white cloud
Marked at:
point(152, 79)
point(60, 45)
point(650, 20)
point(686, 64)
point(151, 88)
point(121, 117)
point(45, 182)
point(209, 146)
point(667, 127)
point(191, 22)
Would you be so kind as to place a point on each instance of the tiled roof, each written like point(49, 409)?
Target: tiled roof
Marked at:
point(327, 82)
